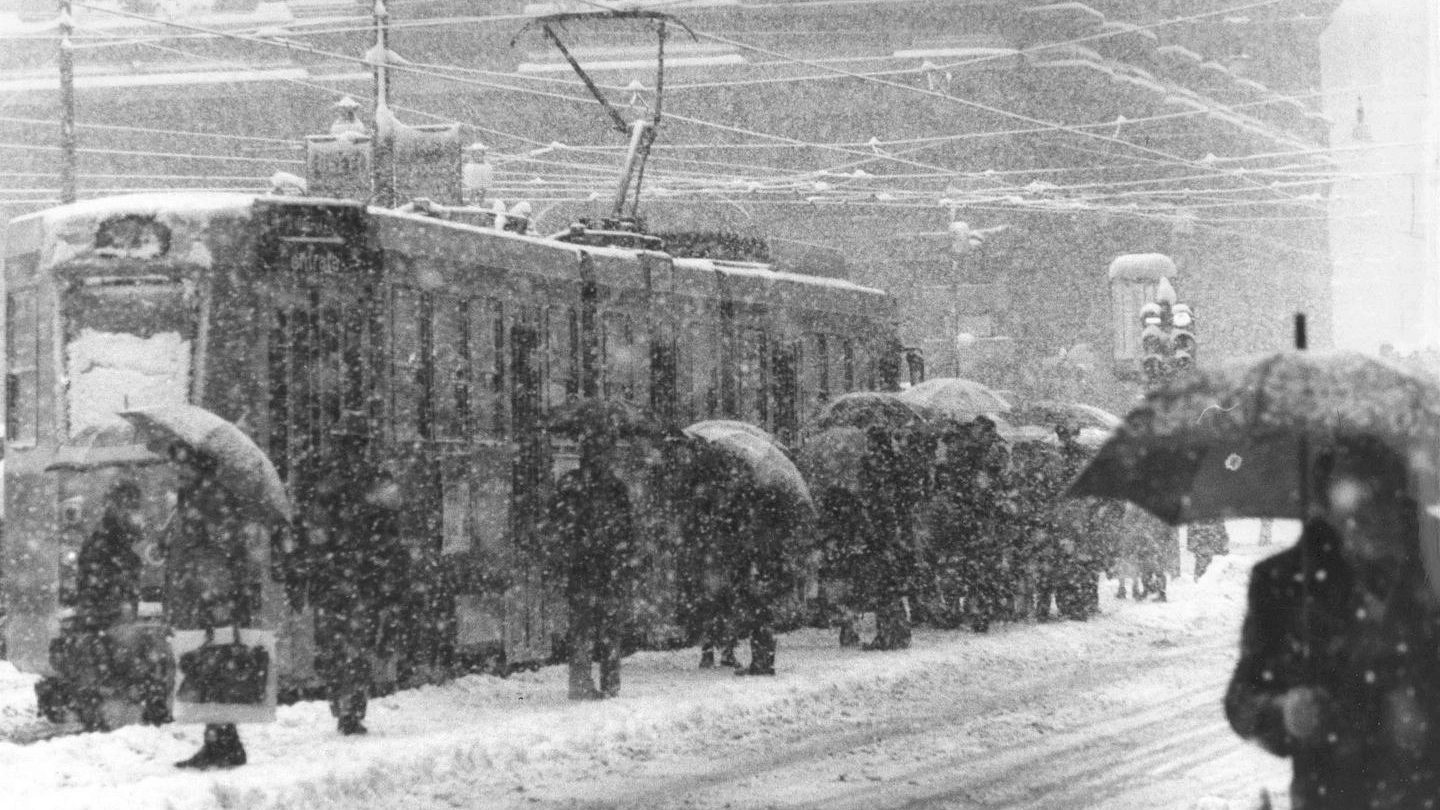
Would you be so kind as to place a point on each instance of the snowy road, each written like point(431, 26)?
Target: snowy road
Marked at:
point(1121, 712)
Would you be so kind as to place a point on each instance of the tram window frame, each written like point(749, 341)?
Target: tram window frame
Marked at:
point(702, 357)
point(848, 367)
point(752, 377)
point(407, 388)
point(622, 377)
point(815, 374)
point(450, 359)
point(487, 357)
point(562, 355)
point(22, 380)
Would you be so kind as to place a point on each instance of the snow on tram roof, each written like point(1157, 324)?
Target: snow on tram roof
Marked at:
point(160, 202)
point(763, 271)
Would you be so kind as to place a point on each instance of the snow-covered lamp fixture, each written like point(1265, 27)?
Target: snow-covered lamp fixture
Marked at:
point(346, 121)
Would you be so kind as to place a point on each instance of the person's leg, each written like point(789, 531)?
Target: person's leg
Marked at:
point(222, 749)
point(581, 641)
point(609, 648)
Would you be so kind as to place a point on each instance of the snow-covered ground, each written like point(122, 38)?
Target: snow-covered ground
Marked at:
point(1128, 703)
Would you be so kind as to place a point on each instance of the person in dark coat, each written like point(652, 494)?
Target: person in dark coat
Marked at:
point(699, 489)
point(352, 535)
point(1339, 666)
point(1206, 541)
point(214, 581)
point(761, 570)
point(108, 593)
point(887, 529)
point(595, 527)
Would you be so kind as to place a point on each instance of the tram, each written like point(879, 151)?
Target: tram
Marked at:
point(334, 333)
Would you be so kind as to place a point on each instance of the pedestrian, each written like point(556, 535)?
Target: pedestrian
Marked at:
point(107, 595)
point(215, 573)
point(887, 532)
point(1339, 666)
point(351, 533)
point(760, 573)
point(1206, 540)
point(699, 485)
point(595, 527)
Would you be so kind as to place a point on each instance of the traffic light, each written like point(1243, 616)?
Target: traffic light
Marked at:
point(1167, 338)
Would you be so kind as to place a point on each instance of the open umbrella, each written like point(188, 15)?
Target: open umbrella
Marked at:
point(757, 454)
point(1233, 441)
point(1054, 412)
point(865, 409)
point(242, 468)
point(956, 396)
point(602, 419)
point(112, 443)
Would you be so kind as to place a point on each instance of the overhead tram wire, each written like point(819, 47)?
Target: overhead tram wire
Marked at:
point(491, 85)
point(1174, 159)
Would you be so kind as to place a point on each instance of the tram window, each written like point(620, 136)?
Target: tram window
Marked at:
point(21, 402)
point(455, 516)
point(702, 361)
point(847, 365)
point(751, 375)
point(127, 345)
point(563, 350)
point(405, 364)
point(626, 364)
point(815, 374)
point(451, 393)
point(487, 378)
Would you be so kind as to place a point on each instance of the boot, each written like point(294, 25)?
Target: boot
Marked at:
point(222, 749)
point(351, 725)
point(707, 659)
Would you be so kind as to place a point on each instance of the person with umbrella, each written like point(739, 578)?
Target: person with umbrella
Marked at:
point(594, 525)
point(228, 498)
point(1340, 649)
point(213, 578)
point(1339, 665)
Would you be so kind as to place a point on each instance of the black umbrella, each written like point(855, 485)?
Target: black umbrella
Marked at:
point(1233, 441)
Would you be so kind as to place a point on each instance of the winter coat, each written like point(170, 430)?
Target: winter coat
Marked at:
point(108, 572)
point(215, 560)
point(358, 567)
point(1210, 538)
point(594, 526)
point(1377, 742)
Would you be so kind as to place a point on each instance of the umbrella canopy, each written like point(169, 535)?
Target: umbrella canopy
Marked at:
point(865, 409)
point(757, 454)
point(242, 468)
point(111, 443)
point(1053, 412)
point(1233, 441)
point(831, 458)
point(601, 419)
point(703, 428)
point(957, 396)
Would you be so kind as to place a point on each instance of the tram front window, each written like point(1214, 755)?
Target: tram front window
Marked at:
point(127, 345)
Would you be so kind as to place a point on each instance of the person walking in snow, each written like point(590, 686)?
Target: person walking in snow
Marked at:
point(353, 537)
point(595, 528)
point(886, 528)
point(1339, 666)
point(215, 576)
point(1206, 541)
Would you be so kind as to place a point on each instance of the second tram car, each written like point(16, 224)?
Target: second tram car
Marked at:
point(338, 336)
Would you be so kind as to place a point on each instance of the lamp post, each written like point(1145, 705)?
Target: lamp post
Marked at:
point(67, 105)
point(1167, 336)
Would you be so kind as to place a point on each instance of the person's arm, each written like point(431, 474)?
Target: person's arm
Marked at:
point(1267, 670)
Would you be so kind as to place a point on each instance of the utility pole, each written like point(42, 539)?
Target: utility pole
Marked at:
point(382, 158)
point(67, 105)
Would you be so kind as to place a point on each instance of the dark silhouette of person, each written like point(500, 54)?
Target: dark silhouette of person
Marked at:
point(761, 573)
point(1206, 541)
point(213, 581)
point(595, 527)
point(352, 534)
point(1339, 666)
point(107, 594)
